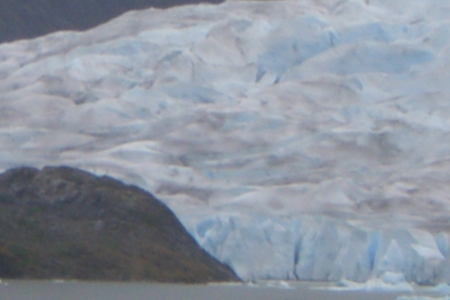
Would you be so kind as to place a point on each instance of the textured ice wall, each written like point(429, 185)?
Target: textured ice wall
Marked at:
point(318, 248)
point(333, 108)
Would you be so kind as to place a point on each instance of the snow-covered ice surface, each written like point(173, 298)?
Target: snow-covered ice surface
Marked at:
point(294, 139)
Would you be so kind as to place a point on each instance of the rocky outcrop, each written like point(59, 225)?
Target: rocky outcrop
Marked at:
point(61, 222)
point(32, 18)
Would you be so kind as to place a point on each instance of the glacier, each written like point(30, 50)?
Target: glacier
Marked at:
point(295, 140)
point(319, 248)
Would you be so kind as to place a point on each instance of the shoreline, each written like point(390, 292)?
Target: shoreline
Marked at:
point(17, 288)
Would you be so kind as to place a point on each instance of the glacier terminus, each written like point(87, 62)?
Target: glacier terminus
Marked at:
point(298, 140)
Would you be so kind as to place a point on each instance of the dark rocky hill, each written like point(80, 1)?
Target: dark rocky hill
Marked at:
point(32, 18)
point(61, 222)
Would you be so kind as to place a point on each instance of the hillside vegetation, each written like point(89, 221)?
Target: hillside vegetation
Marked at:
point(62, 222)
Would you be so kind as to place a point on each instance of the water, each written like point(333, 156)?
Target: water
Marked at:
point(68, 290)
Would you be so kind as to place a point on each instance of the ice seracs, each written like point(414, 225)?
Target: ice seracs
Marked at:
point(319, 248)
point(295, 139)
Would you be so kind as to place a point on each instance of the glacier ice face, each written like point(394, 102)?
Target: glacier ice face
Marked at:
point(319, 248)
point(296, 139)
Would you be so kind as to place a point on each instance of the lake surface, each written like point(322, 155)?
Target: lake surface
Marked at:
point(76, 290)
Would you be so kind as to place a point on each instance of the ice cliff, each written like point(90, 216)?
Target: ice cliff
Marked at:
point(294, 139)
point(318, 248)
